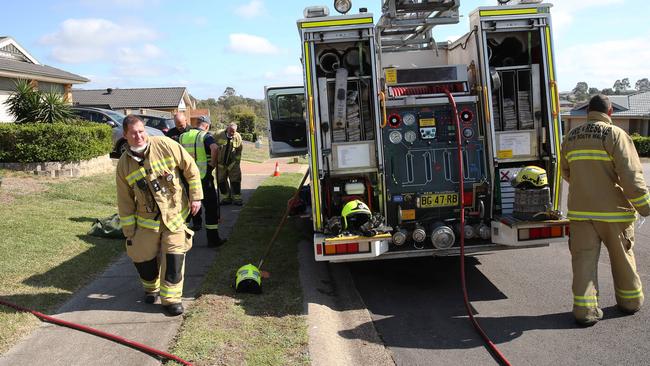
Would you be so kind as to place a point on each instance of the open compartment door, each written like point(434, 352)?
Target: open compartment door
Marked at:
point(287, 128)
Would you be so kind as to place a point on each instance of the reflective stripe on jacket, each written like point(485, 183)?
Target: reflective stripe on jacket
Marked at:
point(604, 172)
point(192, 141)
point(150, 192)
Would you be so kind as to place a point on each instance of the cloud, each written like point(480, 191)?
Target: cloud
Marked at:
point(250, 44)
point(251, 10)
point(129, 55)
point(92, 39)
point(291, 74)
point(626, 58)
point(564, 11)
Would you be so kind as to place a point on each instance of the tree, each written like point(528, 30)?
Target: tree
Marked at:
point(642, 85)
point(593, 91)
point(229, 92)
point(625, 83)
point(608, 91)
point(620, 86)
point(245, 120)
point(580, 91)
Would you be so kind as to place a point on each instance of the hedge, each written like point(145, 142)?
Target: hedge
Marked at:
point(252, 137)
point(642, 144)
point(41, 142)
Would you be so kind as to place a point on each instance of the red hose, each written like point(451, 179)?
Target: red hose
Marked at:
point(129, 343)
point(461, 175)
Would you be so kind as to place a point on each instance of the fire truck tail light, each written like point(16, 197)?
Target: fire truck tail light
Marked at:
point(330, 249)
point(319, 249)
point(556, 231)
point(540, 233)
point(344, 248)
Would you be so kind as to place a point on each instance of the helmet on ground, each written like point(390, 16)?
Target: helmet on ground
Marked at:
point(531, 177)
point(355, 213)
point(248, 279)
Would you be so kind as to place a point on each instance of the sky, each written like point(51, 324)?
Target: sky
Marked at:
point(207, 46)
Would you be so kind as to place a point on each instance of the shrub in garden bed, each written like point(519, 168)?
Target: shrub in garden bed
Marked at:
point(42, 142)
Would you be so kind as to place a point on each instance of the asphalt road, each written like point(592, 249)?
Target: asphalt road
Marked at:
point(522, 299)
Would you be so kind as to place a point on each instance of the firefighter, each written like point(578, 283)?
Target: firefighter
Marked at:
point(198, 142)
point(606, 186)
point(181, 126)
point(152, 205)
point(228, 165)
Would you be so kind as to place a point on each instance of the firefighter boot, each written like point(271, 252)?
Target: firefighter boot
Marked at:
point(213, 238)
point(593, 316)
point(151, 297)
point(225, 192)
point(236, 193)
point(174, 309)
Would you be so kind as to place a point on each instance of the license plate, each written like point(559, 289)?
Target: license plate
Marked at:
point(439, 200)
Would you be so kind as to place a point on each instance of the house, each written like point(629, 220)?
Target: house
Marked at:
point(136, 100)
point(16, 63)
point(631, 113)
point(197, 113)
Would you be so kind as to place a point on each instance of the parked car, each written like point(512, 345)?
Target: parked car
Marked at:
point(162, 123)
point(113, 119)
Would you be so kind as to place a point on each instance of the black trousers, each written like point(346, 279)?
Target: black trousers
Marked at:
point(210, 204)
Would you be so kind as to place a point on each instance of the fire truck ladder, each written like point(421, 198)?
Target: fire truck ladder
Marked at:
point(407, 24)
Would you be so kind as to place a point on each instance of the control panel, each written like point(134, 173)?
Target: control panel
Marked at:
point(420, 155)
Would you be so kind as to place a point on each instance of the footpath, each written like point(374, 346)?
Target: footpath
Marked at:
point(113, 303)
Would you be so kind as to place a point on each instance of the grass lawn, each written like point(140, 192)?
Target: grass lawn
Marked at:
point(255, 155)
point(226, 328)
point(44, 250)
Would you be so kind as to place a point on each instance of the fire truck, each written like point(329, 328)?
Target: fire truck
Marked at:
point(375, 117)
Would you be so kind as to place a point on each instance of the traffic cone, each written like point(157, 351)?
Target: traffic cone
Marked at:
point(276, 173)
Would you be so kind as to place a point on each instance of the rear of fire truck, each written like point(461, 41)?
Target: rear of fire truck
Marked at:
point(376, 122)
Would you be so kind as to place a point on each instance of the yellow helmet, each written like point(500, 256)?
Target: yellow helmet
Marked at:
point(249, 279)
point(356, 212)
point(531, 177)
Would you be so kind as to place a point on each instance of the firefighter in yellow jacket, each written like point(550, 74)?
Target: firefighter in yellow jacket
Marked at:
point(228, 164)
point(153, 205)
point(606, 187)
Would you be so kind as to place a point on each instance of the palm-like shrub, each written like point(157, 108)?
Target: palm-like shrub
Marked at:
point(24, 103)
point(53, 108)
point(27, 104)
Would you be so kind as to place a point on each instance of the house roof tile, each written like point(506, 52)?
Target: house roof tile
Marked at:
point(130, 98)
point(35, 70)
point(632, 105)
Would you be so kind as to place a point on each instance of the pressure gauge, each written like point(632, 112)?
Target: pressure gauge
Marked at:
point(408, 119)
point(468, 133)
point(410, 136)
point(395, 137)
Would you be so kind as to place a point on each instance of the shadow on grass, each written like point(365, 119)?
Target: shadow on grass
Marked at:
point(256, 224)
point(65, 276)
point(40, 302)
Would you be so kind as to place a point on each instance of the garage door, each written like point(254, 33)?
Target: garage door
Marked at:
point(4, 115)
